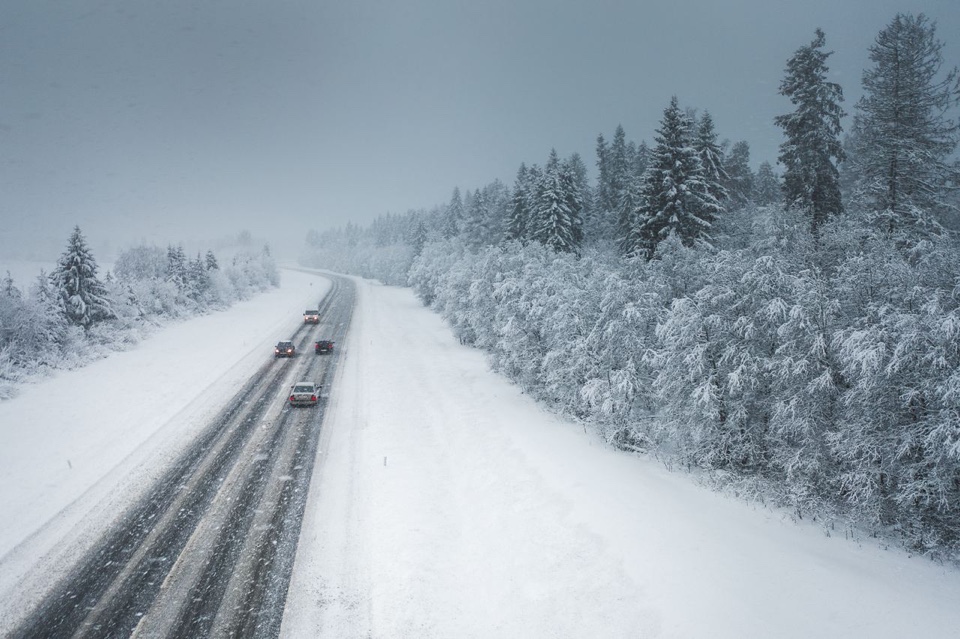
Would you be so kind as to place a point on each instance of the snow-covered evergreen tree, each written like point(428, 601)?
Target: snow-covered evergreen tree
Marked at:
point(619, 168)
point(631, 199)
point(556, 218)
point(641, 160)
point(739, 181)
point(581, 181)
point(9, 289)
point(83, 297)
point(599, 220)
point(711, 158)
point(517, 224)
point(902, 136)
point(573, 181)
point(496, 210)
point(198, 279)
point(453, 215)
point(473, 229)
point(10, 303)
point(210, 261)
point(812, 148)
point(767, 189)
point(603, 173)
point(676, 197)
point(419, 239)
point(177, 267)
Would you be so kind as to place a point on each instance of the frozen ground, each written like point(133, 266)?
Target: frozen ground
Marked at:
point(446, 503)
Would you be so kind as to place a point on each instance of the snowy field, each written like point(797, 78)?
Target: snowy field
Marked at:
point(445, 503)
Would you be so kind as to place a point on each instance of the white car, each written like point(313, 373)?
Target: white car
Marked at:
point(304, 394)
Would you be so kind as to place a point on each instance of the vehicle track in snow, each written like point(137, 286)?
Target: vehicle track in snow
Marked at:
point(209, 550)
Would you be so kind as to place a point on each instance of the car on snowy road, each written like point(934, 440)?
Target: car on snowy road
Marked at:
point(304, 394)
point(311, 316)
point(284, 349)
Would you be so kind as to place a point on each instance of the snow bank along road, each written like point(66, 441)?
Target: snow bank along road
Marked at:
point(208, 551)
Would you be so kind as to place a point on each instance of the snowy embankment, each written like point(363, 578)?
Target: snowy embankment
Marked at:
point(446, 503)
point(84, 442)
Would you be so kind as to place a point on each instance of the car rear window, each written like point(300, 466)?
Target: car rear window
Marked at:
point(303, 388)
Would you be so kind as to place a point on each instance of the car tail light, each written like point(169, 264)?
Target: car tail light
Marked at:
point(292, 398)
point(313, 398)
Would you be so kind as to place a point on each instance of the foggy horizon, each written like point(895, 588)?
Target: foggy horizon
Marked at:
point(179, 122)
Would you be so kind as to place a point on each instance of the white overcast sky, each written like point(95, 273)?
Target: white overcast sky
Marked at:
point(181, 120)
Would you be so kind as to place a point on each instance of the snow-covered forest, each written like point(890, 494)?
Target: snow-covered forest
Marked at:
point(71, 315)
point(795, 337)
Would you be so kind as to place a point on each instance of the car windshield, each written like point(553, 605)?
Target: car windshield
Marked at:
point(311, 312)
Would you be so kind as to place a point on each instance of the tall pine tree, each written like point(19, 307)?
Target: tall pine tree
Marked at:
point(519, 206)
point(618, 169)
point(711, 157)
point(603, 171)
point(812, 150)
point(452, 216)
point(902, 137)
point(473, 229)
point(739, 182)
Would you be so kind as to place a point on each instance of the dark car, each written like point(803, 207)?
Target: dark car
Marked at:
point(284, 349)
point(323, 346)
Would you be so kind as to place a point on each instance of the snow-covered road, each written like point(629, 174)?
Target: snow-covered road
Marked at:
point(445, 502)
